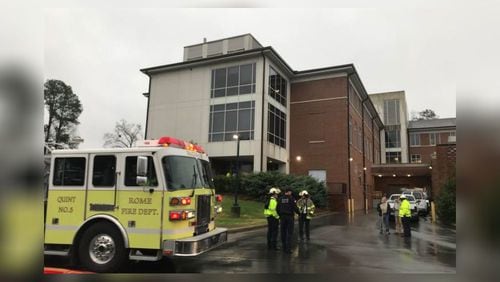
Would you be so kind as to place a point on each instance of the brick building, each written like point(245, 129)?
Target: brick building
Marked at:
point(334, 133)
point(318, 122)
point(423, 143)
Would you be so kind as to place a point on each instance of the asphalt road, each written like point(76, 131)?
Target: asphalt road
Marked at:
point(338, 243)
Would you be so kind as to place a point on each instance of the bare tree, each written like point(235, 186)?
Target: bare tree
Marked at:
point(125, 135)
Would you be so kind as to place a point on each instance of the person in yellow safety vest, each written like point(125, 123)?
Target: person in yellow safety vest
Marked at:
point(306, 212)
point(272, 219)
point(405, 215)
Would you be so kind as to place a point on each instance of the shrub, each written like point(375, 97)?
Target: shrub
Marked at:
point(257, 185)
point(446, 202)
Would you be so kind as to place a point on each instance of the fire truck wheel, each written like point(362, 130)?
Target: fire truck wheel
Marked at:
point(101, 248)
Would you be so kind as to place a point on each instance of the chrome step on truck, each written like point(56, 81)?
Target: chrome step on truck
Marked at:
point(196, 245)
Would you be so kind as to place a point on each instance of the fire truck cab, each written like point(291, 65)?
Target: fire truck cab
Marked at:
point(108, 205)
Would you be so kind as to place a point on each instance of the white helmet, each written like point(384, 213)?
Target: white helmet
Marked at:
point(403, 196)
point(273, 191)
point(303, 193)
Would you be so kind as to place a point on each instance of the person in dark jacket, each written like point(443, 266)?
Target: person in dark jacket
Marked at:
point(287, 208)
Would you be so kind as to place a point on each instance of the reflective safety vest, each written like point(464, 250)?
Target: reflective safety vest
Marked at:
point(404, 209)
point(306, 206)
point(271, 209)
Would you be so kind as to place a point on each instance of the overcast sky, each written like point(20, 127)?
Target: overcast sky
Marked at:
point(99, 52)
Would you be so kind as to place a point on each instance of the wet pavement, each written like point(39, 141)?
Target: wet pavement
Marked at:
point(338, 243)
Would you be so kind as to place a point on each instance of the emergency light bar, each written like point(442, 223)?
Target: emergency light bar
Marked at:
point(167, 141)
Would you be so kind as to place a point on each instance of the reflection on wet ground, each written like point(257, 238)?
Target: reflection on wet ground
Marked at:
point(338, 243)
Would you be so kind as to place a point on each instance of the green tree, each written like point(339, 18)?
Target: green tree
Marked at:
point(257, 185)
point(425, 115)
point(446, 202)
point(64, 108)
point(125, 135)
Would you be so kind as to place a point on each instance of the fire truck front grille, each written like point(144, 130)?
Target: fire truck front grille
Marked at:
point(202, 214)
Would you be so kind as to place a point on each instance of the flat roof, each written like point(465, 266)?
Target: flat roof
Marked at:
point(433, 123)
point(273, 55)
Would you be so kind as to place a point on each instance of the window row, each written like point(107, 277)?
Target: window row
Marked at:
point(71, 171)
point(277, 87)
point(178, 171)
point(433, 138)
point(232, 81)
point(276, 126)
point(227, 120)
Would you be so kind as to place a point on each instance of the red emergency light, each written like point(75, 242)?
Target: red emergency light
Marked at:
point(174, 142)
point(218, 198)
point(177, 215)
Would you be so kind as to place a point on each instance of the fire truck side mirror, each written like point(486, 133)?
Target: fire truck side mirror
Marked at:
point(142, 180)
point(142, 166)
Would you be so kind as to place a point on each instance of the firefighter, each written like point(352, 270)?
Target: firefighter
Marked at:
point(405, 214)
point(287, 208)
point(272, 219)
point(306, 211)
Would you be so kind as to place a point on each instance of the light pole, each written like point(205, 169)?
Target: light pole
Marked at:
point(235, 209)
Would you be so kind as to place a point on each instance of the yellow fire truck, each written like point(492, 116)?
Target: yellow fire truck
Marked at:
point(105, 206)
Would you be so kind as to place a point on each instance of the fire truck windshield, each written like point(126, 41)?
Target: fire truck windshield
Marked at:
point(186, 173)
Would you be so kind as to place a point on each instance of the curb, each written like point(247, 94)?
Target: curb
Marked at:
point(255, 227)
point(55, 270)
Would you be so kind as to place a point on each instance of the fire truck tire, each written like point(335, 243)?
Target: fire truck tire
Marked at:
point(101, 248)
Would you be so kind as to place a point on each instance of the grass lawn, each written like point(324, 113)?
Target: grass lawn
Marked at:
point(252, 213)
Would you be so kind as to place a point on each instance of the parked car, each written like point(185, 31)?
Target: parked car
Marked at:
point(413, 205)
point(420, 201)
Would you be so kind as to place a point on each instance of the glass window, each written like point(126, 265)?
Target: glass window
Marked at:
point(104, 172)
point(229, 119)
point(181, 172)
point(131, 171)
point(232, 81)
point(218, 122)
point(69, 171)
point(244, 119)
point(416, 159)
point(393, 157)
point(391, 112)
point(432, 138)
point(277, 87)
point(350, 130)
point(354, 99)
point(453, 133)
point(246, 74)
point(392, 138)
point(276, 126)
point(220, 78)
point(414, 139)
point(232, 76)
point(207, 175)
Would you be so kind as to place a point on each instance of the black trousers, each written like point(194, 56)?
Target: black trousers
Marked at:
point(303, 223)
point(272, 232)
point(406, 226)
point(286, 232)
